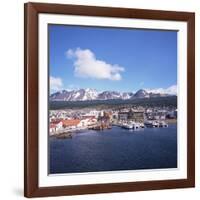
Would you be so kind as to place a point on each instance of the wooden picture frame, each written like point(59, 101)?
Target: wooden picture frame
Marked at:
point(31, 104)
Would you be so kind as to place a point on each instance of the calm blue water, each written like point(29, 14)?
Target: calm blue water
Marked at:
point(115, 149)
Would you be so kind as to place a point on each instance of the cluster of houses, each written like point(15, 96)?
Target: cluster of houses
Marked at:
point(60, 125)
point(70, 120)
point(62, 121)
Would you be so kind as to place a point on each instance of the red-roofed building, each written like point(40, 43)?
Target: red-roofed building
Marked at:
point(55, 126)
point(56, 120)
point(73, 123)
point(88, 117)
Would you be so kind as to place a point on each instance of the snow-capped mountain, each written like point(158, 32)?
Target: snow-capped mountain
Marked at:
point(127, 95)
point(92, 94)
point(109, 95)
point(141, 94)
point(75, 95)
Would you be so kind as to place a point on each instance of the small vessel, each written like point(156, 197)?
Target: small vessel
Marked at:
point(136, 125)
point(109, 127)
point(127, 126)
point(64, 135)
point(148, 124)
point(151, 124)
point(141, 125)
point(163, 124)
point(97, 128)
point(155, 124)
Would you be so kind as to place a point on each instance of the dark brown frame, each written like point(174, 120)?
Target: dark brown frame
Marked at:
point(32, 10)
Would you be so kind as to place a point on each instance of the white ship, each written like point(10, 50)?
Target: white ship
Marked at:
point(151, 124)
point(127, 126)
point(163, 124)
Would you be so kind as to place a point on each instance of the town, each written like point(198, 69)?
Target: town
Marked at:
point(63, 123)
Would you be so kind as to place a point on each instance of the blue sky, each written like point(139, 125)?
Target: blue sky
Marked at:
point(112, 58)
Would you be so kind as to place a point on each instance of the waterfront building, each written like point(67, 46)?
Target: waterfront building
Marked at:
point(55, 126)
point(71, 123)
point(115, 115)
point(52, 129)
point(156, 115)
point(172, 115)
point(123, 116)
point(136, 115)
point(88, 121)
point(93, 113)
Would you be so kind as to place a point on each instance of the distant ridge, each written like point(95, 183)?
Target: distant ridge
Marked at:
point(92, 94)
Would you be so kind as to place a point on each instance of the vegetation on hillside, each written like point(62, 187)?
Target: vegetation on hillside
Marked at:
point(116, 103)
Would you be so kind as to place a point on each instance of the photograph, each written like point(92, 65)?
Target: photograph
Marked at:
point(109, 99)
point(112, 102)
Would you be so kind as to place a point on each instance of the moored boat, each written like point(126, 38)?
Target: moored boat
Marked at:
point(151, 124)
point(163, 124)
point(127, 126)
point(136, 125)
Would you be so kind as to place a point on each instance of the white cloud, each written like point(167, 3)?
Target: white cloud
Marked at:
point(170, 90)
point(55, 83)
point(87, 66)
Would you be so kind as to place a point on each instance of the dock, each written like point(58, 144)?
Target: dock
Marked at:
point(137, 125)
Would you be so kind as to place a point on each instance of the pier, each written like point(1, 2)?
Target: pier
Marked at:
point(131, 125)
point(136, 125)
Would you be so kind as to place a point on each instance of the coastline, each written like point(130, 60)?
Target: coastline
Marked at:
point(68, 134)
point(171, 121)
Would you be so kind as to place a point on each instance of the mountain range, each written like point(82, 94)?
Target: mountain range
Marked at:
point(92, 94)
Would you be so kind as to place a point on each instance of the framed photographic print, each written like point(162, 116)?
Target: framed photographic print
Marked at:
point(109, 99)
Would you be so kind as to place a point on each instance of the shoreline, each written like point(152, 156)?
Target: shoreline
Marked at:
point(171, 121)
point(69, 134)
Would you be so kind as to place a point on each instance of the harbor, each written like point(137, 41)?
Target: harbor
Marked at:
point(131, 125)
point(148, 124)
point(115, 149)
point(63, 123)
